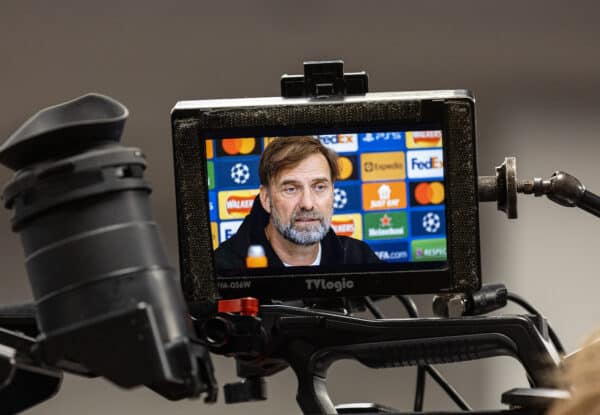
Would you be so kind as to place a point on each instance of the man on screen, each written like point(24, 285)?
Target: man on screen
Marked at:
point(291, 216)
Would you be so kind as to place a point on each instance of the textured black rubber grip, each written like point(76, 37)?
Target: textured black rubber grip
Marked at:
point(428, 351)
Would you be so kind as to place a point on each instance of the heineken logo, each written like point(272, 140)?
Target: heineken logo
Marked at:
point(388, 225)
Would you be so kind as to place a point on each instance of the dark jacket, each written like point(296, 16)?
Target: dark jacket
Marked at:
point(335, 250)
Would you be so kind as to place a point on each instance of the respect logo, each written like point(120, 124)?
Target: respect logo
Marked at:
point(383, 196)
point(422, 139)
point(428, 249)
point(382, 166)
point(347, 225)
point(236, 204)
point(388, 225)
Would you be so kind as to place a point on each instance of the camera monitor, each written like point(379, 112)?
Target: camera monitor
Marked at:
point(281, 198)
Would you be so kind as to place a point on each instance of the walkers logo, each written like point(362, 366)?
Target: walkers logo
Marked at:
point(422, 139)
point(210, 169)
point(228, 229)
point(212, 206)
point(236, 204)
point(347, 164)
point(428, 223)
point(382, 166)
point(346, 197)
point(393, 140)
point(428, 249)
point(208, 145)
point(237, 174)
point(237, 147)
point(426, 193)
point(214, 233)
point(388, 225)
point(347, 225)
point(391, 251)
point(424, 164)
point(383, 196)
point(340, 143)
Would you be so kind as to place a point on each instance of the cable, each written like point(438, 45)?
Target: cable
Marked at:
point(517, 299)
point(413, 312)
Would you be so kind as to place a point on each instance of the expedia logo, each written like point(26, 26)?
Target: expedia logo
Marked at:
point(425, 163)
point(382, 166)
point(236, 204)
point(324, 285)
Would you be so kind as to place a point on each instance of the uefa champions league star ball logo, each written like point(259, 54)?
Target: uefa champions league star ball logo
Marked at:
point(340, 198)
point(240, 173)
point(431, 222)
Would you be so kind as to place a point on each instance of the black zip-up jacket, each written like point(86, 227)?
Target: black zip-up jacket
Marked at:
point(335, 250)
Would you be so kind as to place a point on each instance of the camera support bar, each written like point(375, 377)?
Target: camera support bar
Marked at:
point(561, 188)
point(310, 341)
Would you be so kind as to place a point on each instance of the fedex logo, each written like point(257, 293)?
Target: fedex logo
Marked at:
point(340, 143)
point(425, 164)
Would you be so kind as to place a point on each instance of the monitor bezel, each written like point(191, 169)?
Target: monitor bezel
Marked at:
point(450, 111)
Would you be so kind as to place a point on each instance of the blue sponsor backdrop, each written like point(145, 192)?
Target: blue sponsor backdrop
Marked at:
point(429, 222)
point(391, 251)
point(237, 173)
point(240, 172)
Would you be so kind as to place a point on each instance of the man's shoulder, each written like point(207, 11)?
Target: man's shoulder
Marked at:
point(354, 250)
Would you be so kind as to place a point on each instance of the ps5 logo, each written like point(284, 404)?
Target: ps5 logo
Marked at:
point(323, 284)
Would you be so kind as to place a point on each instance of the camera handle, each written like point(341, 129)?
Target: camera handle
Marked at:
point(561, 188)
point(310, 341)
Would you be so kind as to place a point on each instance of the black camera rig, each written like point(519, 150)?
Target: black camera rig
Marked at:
point(107, 302)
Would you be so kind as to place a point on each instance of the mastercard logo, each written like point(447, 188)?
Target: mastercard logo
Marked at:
point(427, 193)
point(237, 146)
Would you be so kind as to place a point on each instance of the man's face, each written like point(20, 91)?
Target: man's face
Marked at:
point(300, 201)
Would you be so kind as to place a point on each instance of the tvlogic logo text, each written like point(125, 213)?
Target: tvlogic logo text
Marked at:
point(323, 284)
point(425, 163)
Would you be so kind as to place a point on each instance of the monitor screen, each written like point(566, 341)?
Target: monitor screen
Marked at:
point(386, 209)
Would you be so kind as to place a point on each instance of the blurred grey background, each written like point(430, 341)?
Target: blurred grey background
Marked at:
point(534, 68)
